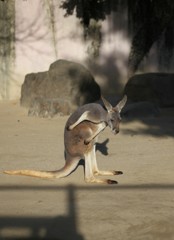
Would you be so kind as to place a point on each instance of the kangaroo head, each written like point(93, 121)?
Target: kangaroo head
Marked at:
point(113, 115)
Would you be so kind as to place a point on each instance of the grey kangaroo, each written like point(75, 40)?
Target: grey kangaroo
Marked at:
point(80, 136)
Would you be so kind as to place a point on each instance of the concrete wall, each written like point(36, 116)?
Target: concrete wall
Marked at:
point(36, 33)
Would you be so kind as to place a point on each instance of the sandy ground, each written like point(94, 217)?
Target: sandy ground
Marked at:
point(140, 207)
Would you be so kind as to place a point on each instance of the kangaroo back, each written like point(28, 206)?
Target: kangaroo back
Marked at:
point(92, 112)
point(95, 113)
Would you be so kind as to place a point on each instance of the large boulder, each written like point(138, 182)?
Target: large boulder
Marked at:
point(45, 107)
point(154, 87)
point(65, 83)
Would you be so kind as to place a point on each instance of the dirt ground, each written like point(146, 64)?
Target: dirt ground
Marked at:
point(140, 207)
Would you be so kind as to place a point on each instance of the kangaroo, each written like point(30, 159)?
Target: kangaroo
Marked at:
point(80, 135)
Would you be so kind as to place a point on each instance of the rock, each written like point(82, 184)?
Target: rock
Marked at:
point(43, 107)
point(154, 87)
point(68, 82)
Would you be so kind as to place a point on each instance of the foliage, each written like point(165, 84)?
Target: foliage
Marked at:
point(148, 20)
point(89, 9)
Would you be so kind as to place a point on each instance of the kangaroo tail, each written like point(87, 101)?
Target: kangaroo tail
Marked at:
point(33, 173)
point(63, 172)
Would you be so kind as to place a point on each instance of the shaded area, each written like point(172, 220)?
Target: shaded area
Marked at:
point(161, 125)
point(71, 189)
point(109, 73)
point(149, 19)
point(154, 128)
point(38, 227)
point(58, 227)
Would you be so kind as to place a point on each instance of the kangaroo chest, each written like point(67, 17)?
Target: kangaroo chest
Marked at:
point(97, 128)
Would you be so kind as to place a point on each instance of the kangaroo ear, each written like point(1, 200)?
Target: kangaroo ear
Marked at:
point(107, 105)
point(121, 104)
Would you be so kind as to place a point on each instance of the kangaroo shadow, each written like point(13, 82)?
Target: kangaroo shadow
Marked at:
point(102, 147)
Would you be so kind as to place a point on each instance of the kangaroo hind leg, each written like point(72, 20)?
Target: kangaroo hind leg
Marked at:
point(90, 168)
point(98, 172)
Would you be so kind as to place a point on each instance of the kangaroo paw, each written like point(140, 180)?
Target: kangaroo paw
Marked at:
point(69, 128)
point(86, 142)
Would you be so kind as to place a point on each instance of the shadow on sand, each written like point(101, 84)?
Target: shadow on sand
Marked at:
point(60, 227)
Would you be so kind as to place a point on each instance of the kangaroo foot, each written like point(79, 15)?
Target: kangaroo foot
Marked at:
point(118, 172)
point(109, 181)
point(103, 181)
